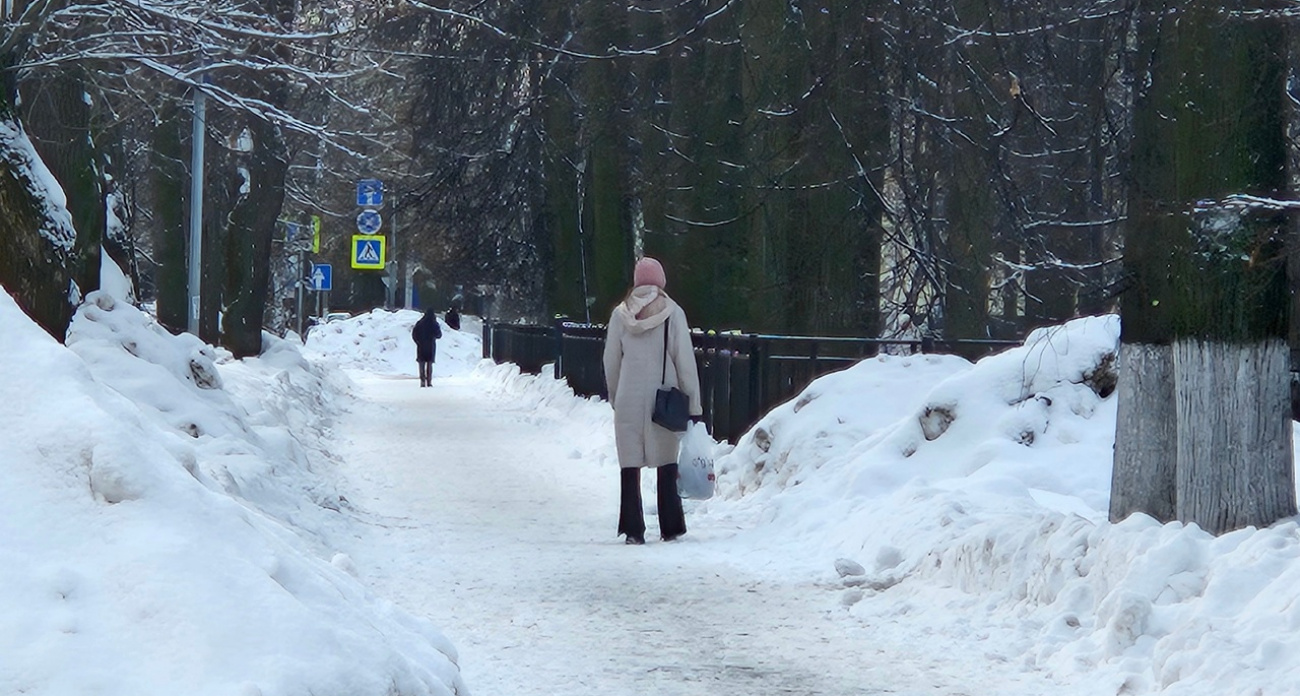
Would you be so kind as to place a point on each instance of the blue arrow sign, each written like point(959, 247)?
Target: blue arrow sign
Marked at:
point(369, 222)
point(322, 277)
point(370, 193)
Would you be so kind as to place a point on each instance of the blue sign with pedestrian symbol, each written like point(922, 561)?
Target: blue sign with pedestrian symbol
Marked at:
point(370, 193)
point(369, 222)
point(368, 252)
point(322, 277)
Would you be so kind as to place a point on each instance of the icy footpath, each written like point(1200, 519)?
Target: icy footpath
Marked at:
point(169, 524)
point(493, 502)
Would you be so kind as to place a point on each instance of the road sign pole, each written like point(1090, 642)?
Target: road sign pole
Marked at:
point(196, 210)
point(300, 272)
point(409, 299)
point(390, 286)
point(397, 253)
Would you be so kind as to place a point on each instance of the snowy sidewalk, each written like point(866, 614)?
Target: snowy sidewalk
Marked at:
point(484, 523)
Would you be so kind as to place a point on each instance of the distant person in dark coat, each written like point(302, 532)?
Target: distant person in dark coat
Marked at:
point(453, 319)
point(426, 333)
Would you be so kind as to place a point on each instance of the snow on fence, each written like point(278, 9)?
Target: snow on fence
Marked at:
point(742, 376)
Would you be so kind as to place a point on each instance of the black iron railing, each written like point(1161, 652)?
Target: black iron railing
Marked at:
point(742, 376)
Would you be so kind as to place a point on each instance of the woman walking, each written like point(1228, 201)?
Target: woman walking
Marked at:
point(648, 345)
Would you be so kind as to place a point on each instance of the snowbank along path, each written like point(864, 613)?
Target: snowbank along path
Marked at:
point(481, 517)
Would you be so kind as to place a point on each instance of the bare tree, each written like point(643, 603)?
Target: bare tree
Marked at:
point(90, 61)
point(1009, 133)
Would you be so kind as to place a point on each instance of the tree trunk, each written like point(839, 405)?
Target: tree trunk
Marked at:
point(60, 119)
point(36, 236)
point(969, 208)
point(1209, 279)
point(1234, 434)
point(1293, 231)
point(1145, 443)
point(169, 206)
point(251, 229)
point(36, 239)
point(968, 242)
point(560, 199)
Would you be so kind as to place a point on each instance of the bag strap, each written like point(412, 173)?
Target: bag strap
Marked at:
point(663, 370)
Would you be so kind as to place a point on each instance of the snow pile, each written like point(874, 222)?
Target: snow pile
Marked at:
point(829, 417)
point(155, 498)
point(995, 420)
point(981, 508)
point(380, 343)
point(592, 417)
point(112, 280)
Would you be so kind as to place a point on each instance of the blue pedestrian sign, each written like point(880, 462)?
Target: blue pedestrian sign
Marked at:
point(322, 277)
point(369, 222)
point(370, 193)
point(368, 252)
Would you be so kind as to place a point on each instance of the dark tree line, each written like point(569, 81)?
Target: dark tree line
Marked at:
point(950, 168)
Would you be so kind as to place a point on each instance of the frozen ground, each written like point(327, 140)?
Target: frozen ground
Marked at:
point(972, 496)
point(483, 515)
point(174, 521)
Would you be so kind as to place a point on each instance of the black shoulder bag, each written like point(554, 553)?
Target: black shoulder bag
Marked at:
point(672, 408)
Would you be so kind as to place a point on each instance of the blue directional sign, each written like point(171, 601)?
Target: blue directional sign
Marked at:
point(369, 222)
point(370, 193)
point(322, 277)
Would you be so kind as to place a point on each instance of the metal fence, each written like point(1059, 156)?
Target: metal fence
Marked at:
point(742, 376)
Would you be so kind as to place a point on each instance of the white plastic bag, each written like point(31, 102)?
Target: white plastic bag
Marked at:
point(695, 463)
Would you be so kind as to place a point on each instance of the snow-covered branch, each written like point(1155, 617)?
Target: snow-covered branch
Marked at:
point(214, 46)
point(1244, 203)
point(680, 37)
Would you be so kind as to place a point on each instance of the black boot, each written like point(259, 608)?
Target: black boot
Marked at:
point(631, 519)
point(672, 519)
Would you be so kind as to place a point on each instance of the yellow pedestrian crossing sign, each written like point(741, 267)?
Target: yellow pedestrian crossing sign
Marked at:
point(368, 251)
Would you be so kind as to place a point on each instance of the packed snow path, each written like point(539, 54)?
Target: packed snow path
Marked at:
point(482, 521)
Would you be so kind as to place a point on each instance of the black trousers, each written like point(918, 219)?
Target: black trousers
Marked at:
point(631, 517)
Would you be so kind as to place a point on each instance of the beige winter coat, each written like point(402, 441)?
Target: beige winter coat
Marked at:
point(634, 356)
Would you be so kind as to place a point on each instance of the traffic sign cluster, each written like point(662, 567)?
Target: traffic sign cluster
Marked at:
point(368, 247)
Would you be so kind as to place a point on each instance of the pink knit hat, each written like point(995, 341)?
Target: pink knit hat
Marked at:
point(649, 272)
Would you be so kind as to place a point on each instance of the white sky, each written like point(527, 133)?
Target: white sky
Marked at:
point(320, 524)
